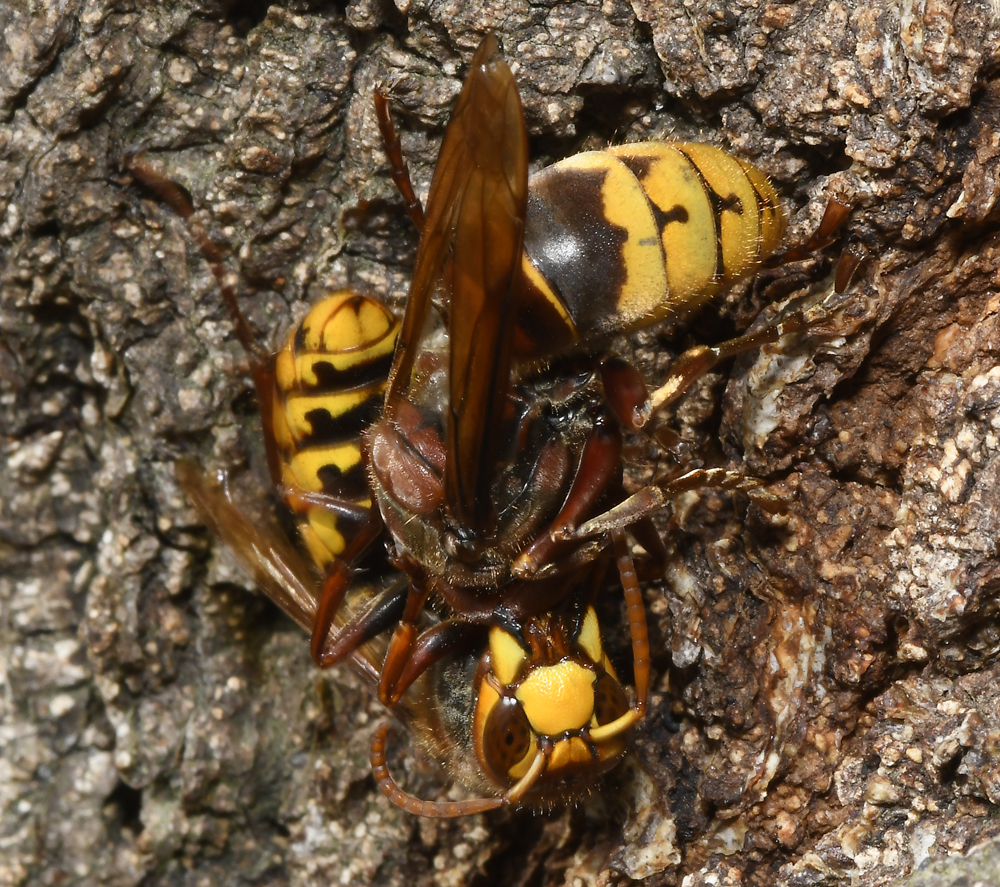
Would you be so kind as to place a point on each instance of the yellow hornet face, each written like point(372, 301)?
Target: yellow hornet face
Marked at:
point(550, 712)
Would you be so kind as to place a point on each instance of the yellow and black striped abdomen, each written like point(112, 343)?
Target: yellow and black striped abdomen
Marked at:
point(329, 383)
point(624, 237)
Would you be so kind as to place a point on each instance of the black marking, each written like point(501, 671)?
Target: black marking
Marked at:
point(506, 621)
point(675, 215)
point(328, 430)
point(345, 524)
point(353, 304)
point(729, 204)
point(361, 375)
point(352, 484)
point(719, 205)
point(299, 346)
point(577, 614)
point(610, 701)
point(570, 241)
point(640, 167)
point(540, 328)
point(383, 613)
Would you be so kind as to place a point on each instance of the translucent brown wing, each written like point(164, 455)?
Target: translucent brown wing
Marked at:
point(472, 242)
point(433, 717)
point(278, 569)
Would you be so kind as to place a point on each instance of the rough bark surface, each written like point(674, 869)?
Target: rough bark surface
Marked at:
point(826, 669)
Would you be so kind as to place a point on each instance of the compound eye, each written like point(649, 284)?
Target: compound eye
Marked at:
point(506, 737)
point(610, 701)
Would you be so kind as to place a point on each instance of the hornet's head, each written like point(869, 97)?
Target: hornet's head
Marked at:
point(550, 714)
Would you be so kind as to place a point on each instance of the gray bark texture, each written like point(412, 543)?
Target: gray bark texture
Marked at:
point(825, 659)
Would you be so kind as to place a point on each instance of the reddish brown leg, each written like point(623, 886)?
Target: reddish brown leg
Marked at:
point(449, 638)
point(379, 616)
point(338, 579)
point(636, 609)
point(403, 640)
point(651, 499)
point(697, 361)
point(626, 393)
point(834, 215)
point(853, 256)
point(600, 462)
point(397, 163)
point(335, 584)
point(649, 537)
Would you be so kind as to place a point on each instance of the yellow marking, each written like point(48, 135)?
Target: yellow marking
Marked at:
point(279, 425)
point(590, 636)
point(488, 698)
point(306, 464)
point(517, 791)
point(625, 205)
point(689, 246)
point(568, 751)
point(324, 525)
point(610, 669)
point(485, 702)
point(285, 374)
point(535, 277)
point(773, 219)
point(305, 364)
point(521, 767)
point(610, 749)
point(616, 727)
point(558, 697)
point(345, 322)
point(317, 550)
point(506, 656)
point(297, 373)
point(344, 330)
point(739, 225)
point(336, 404)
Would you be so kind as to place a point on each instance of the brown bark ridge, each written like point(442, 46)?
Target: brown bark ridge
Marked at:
point(826, 673)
